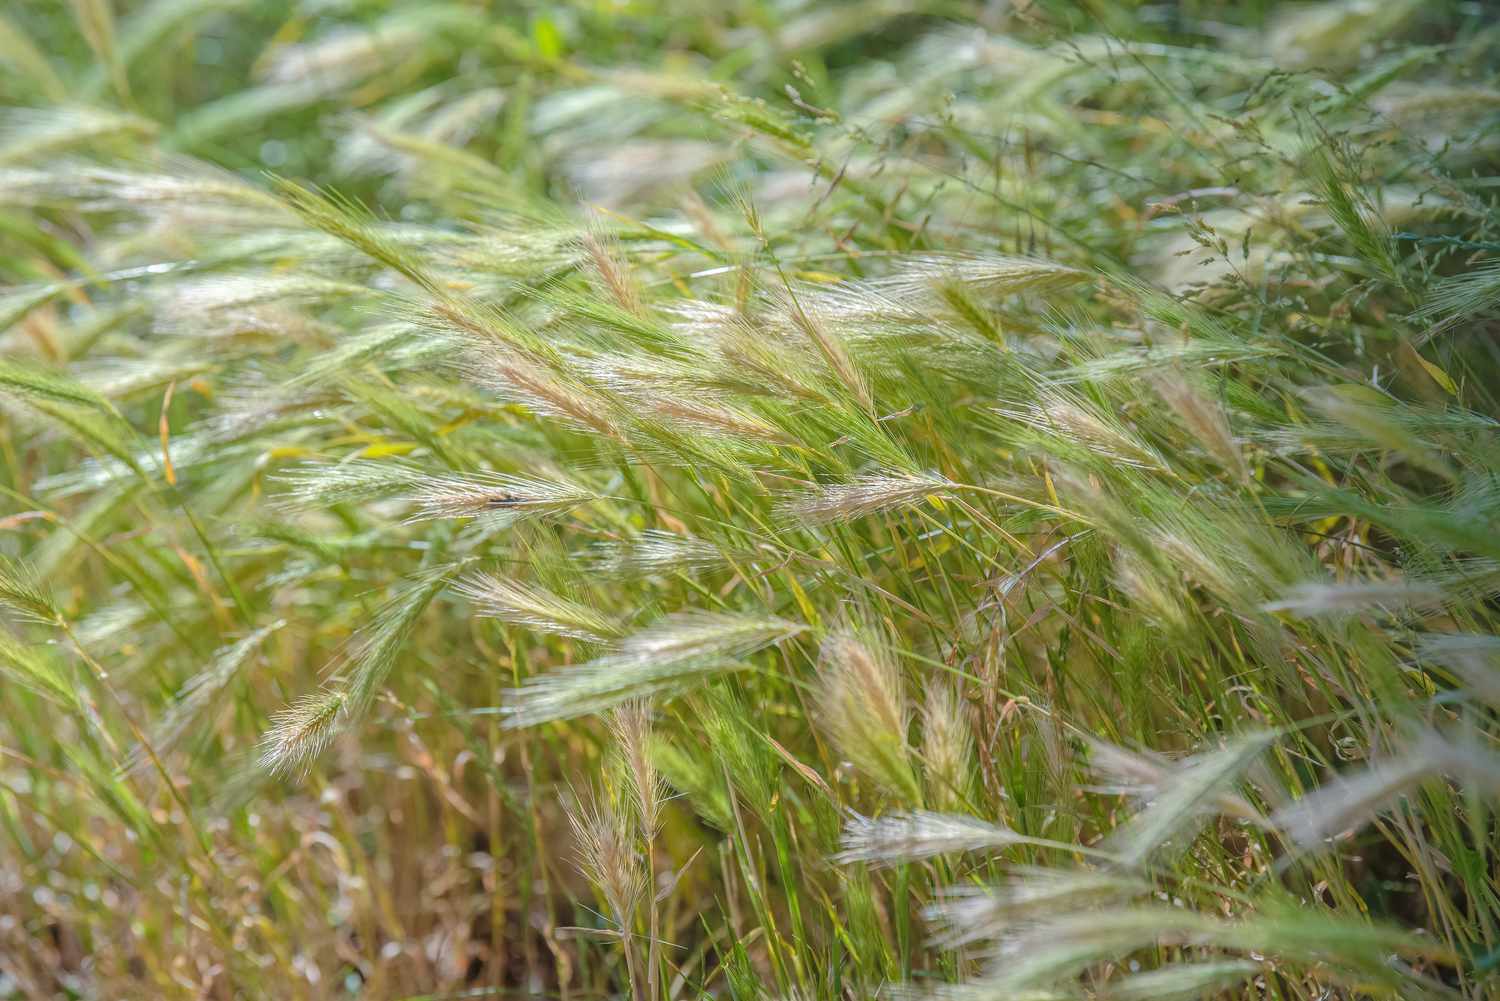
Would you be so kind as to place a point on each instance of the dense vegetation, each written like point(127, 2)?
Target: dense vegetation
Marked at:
point(901, 498)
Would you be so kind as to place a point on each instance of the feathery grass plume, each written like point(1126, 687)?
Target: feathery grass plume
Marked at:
point(348, 54)
point(122, 378)
point(312, 485)
point(609, 858)
point(300, 732)
point(97, 432)
point(1068, 418)
point(1204, 418)
point(1178, 314)
point(1144, 776)
point(964, 915)
point(1381, 422)
point(851, 305)
point(1064, 946)
point(29, 383)
point(714, 419)
point(661, 658)
point(442, 170)
point(1180, 799)
point(1060, 947)
point(630, 723)
point(1353, 212)
point(1143, 582)
point(753, 364)
point(530, 605)
point(667, 369)
point(919, 834)
point(187, 305)
point(500, 499)
point(514, 376)
point(1200, 353)
point(1474, 658)
point(621, 172)
point(697, 777)
point(1362, 421)
point(33, 133)
point(1316, 598)
point(1462, 297)
point(869, 494)
point(196, 698)
point(1333, 32)
point(22, 593)
point(698, 633)
point(747, 769)
point(610, 272)
point(644, 378)
point(1348, 801)
point(655, 551)
point(36, 669)
point(351, 223)
point(184, 187)
point(1181, 981)
point(947, 745)
point(112, 626)
point(369, 657)
point(916, 276)
point(394, 346)
point(863, 709)
point(1351, 951)
point(831, 348)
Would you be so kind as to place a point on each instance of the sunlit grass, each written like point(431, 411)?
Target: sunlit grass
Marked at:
point(825, 501)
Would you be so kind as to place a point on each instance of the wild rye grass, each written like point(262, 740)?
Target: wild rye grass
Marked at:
point(878, 499)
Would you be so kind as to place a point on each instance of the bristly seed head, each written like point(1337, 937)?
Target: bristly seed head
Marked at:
point(865, 495)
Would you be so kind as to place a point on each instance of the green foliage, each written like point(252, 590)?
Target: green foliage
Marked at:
point(757, 500)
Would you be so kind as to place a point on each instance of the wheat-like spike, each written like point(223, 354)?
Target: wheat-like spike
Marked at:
point(315, 485)
point(1069, 418)
point(869, 494)
point(1204, 418)
point(656, 551)
point(1349, 801)
point(919, 834)
point(24, 594)
point(630, 723)
point(660, 658)
point(608, 857)
point(32, 383)
point(196, 698)
point(1180, 798)
point(36, 669)
point(964, 915)
point(28, 134)
point(517, 377)
point(920, 276)
point(499, 498)
point(301, 732)
point(529, 605)
point(1475, 658)
point(947, 744)
point(863, 708)
point(1316, 598)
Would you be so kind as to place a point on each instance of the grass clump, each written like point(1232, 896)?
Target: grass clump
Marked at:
point(802, 501)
